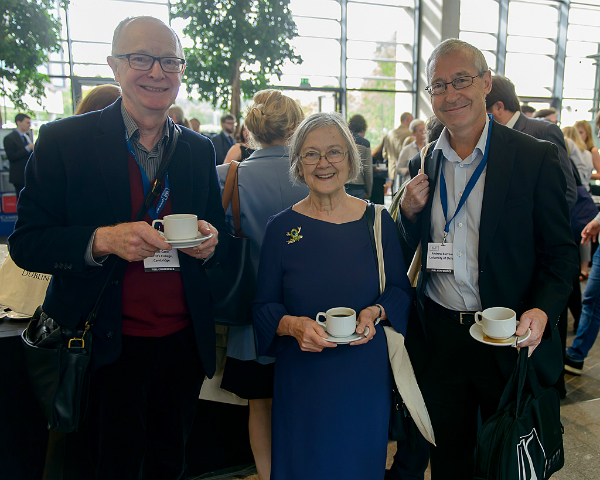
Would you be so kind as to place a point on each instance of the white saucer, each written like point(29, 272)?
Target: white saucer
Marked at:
point(477, 333)
point(194, 242)
point(342, 340)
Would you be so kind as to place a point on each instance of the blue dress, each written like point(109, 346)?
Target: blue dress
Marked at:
point(330, 409)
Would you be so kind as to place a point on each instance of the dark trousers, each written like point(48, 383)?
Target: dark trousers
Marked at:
point(142, 408)
point(460, 378)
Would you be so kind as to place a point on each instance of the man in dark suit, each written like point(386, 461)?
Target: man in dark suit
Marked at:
point(493, 199)
point(154, 337)
point(503, 103)
point(224, 140)
point(18, 146)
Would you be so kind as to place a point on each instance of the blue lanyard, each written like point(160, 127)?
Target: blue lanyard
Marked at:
point(470, 185)
point(153, 211)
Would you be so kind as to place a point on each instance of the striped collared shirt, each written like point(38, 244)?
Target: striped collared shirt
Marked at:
point(149, 160)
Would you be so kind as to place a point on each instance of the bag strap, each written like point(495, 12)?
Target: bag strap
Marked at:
point(373, 215)
point(231, 195)
point(153, 193)
point(516, 384)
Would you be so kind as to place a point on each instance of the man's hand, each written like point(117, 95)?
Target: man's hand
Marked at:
point(590, 231)
point(415, 197)
point(131, 241)
point(536, 320)
point(203, 250)
point(30, 146)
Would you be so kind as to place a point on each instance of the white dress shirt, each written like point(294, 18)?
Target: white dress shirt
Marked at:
point(459, 290)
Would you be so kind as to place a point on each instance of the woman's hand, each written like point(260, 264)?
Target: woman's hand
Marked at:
point(366, 319)
point(309, 334)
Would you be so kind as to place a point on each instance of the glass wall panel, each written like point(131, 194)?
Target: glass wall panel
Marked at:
point(324, 9)
point(381, 110)
point(471, 18)
point(533, 75)
point(580, 87)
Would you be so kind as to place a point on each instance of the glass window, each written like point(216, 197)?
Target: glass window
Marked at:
point(533, 75)
point(325, 9)
point(381, 111)
point(532, 20)
point(471, 18)
point(365, 22)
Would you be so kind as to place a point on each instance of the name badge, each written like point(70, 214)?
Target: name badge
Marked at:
point(440, 258)
point(163, 260)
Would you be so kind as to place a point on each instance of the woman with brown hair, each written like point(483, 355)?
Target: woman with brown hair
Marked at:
point(98, 98)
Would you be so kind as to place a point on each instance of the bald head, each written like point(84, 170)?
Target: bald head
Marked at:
point(143, 22)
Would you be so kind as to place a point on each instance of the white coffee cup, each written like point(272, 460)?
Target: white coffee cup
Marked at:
point(180, 226)
point(339, 321)
point(497, 322)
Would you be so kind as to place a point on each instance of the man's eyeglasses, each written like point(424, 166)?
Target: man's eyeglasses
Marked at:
point(141, 61)
point(458, 83)
point(332, 156)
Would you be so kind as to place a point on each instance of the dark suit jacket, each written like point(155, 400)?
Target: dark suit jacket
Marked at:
point(222, 146)
point(77, 181)
point(527, 256)
point(17, 156)
point(544, 130)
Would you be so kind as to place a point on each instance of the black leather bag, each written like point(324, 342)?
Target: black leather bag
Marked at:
point(233, 280)
point(57, 361)
point(524, 438)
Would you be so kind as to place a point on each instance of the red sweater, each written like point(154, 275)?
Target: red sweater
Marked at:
point(153, 302)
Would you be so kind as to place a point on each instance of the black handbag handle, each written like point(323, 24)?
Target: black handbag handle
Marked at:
point(516, 383)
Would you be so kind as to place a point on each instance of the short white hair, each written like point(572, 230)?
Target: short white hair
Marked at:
point(314, 122)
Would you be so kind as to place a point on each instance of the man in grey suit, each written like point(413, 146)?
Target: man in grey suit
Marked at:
point(503, 103)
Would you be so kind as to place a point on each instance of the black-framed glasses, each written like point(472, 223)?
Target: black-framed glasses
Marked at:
point(458, 83)
point(332, 156)
point(141, 61)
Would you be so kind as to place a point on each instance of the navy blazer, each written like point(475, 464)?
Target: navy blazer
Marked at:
point(78, 180)
point(222, 145)
point(527, 256)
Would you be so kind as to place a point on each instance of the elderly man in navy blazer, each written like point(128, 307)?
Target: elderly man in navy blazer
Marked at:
point(154, 336)
point(493, 200)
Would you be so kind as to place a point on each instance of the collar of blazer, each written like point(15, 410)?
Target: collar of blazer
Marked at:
point(499, 171)
point(110, 149)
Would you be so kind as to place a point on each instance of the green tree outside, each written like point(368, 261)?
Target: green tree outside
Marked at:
point(28, 32)
point(237, 45)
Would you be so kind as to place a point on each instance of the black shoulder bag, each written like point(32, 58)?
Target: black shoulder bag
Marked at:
point(524, 438)
point(58, 358)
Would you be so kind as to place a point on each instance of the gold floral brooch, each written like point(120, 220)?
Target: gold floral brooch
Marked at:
point(295, 234)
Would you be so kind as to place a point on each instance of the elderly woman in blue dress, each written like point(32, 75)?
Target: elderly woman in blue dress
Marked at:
point(331, 398)
point(265, 189)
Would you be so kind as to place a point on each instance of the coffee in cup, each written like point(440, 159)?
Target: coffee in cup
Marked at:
point(339, 321)
point(179, 226)
point(497, 322)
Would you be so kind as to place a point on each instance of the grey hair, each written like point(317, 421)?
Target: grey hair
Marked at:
point(415, 124)
point(314, 122)
point(121, 26)
point(455, 45)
